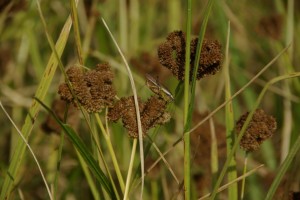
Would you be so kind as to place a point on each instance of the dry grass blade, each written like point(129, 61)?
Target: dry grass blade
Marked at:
point(34, 110)
point(137, 110)
point(242, 89)
point(234, 181)
point(226, 102)
point(31, 151)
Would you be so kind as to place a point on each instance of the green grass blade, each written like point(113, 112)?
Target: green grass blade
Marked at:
point(283, 168)
point(186, 114)
point(76, 31)
point(33, 112)
point(236, 143)
point(229, 118)
point(89, 159)
point(197, 59)
point(189, 104)
point(84, 152)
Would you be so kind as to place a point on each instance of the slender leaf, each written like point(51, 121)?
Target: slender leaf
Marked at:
point(283, 168)
point(33, 112)
point(84, 152)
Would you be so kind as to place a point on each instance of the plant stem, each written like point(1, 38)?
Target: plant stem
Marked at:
point(130, 169)
point(236, 143)
point(244, 172)
point(229, 118)
point(187, 147)
point(112, 153)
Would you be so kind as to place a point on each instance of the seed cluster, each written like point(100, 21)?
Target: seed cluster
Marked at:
point(261, 127)
point(171, 54)
point(152, 113)
point(93, 89)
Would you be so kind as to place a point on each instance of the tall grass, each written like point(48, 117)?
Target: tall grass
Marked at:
point(93, 160)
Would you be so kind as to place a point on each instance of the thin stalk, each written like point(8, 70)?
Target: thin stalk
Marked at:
point(112, 153)
point(137, 110)
point(233, 182)
point(189, 102)
point(229, 118)
point(101, 155)
point(186, 135)
point(283, 168)
point(174, 8)
point(287, 116)
point(244, 179)
point(76, 30)
point(59, 155)
point(30, 150)
point(239, 91)
point(154, 190)
point(178, 141)
point(134, 26)
point(41, 92)
point(123, 25)
point(261, 95)
point(130, 169)
point(214, 151)
point(89, 178)
point(89, 33)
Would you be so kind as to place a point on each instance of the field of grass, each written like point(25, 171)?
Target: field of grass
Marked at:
point(174, 99)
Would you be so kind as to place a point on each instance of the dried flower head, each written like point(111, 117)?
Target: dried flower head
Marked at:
point(210, 58)
point(171, 54)
point(59, 106)
point(125, 109)
point(152, 114)
point(93, 89)
point(260, 128)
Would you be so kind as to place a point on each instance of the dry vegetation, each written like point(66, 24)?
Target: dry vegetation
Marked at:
point(93, 95)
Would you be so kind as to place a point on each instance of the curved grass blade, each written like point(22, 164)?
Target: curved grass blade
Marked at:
point(84, 152)
point(283, 168)
point(33, 111)
point(236, 143)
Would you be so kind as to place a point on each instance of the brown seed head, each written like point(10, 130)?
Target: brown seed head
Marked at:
point(125, 109)
point(172, 55)
point(210, 58)
point(261, 127)
point(93, 89)
point(152, 114)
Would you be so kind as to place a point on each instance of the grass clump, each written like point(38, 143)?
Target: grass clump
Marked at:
point(165, 101)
